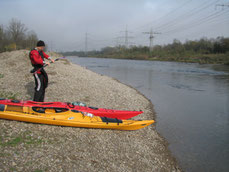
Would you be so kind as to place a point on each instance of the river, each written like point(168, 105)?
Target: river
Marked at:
point(191, 102)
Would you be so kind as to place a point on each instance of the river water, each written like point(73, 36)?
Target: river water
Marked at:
point(191, 102)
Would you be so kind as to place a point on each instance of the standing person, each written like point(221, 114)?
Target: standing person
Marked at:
point(37, 57)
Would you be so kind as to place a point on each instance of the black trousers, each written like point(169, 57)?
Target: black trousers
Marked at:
point(41, 83)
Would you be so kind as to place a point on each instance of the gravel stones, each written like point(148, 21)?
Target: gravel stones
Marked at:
point(55, 148)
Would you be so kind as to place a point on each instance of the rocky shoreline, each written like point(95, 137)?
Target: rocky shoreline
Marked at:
point(35, 147)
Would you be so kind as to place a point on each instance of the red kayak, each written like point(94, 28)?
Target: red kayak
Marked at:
point(119, 114)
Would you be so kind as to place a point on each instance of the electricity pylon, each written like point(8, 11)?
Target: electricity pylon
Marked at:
point(86, 35)
point(151, 33)
point(126, 37)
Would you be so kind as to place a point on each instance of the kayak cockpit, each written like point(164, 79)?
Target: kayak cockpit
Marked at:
point(33, 110)
point(49, 110)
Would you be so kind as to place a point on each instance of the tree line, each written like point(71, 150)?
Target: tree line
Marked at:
point(16, 36)
point(204, 50)
point(218, 45)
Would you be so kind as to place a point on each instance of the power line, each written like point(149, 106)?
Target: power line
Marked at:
point(194, 17)
point(197, 23)
point(222, 5)
point(184, 18)
point(192, 13)
point(215, 18)
point(193, 23)
point(167, 14)
point(211, 25)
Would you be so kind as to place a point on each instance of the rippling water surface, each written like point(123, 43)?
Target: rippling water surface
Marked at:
point(191, 101)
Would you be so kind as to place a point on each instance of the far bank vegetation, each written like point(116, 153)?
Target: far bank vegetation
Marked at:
point(204, 50)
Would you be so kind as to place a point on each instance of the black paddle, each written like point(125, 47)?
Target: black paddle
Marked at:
point(46, 65)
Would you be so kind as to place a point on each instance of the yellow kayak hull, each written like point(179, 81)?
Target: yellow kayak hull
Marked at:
point(69, 118)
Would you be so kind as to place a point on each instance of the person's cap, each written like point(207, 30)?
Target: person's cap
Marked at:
point(40, 43)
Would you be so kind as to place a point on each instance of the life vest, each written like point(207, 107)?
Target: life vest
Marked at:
point(42, 56)
point(39, 66)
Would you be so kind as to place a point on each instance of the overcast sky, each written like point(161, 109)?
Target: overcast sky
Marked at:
point(63, 24)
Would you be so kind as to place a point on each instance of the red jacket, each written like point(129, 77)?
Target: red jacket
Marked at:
point(37, 58)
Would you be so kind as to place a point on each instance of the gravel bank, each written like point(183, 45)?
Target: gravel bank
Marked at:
point(35, 147)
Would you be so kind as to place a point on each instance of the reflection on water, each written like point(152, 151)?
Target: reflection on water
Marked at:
point(191, 101)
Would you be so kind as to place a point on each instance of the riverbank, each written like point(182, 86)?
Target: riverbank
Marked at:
point(198, 58)
point(30, 147)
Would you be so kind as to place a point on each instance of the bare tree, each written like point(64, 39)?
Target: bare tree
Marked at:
point(17, 31)
point(1, 38)
point(15, 36)
point(1, 32)
point(31, 39)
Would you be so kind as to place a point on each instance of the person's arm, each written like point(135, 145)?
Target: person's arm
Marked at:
point(36, 58)
point(48, 57)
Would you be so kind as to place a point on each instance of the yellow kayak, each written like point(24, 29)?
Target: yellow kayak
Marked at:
point(66, 117)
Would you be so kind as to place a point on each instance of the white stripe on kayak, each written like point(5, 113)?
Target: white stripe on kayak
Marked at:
point(38, 81)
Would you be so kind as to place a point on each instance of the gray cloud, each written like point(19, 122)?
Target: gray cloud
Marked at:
point(64, 23)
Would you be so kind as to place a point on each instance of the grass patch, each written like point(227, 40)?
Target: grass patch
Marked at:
point(66, 62)
point(14, 141)
point(29, 140)
point(37, 170)
point(13, 169)
point(8, 95)
point(23, 138)
point(1, 75)
point(5, 154)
